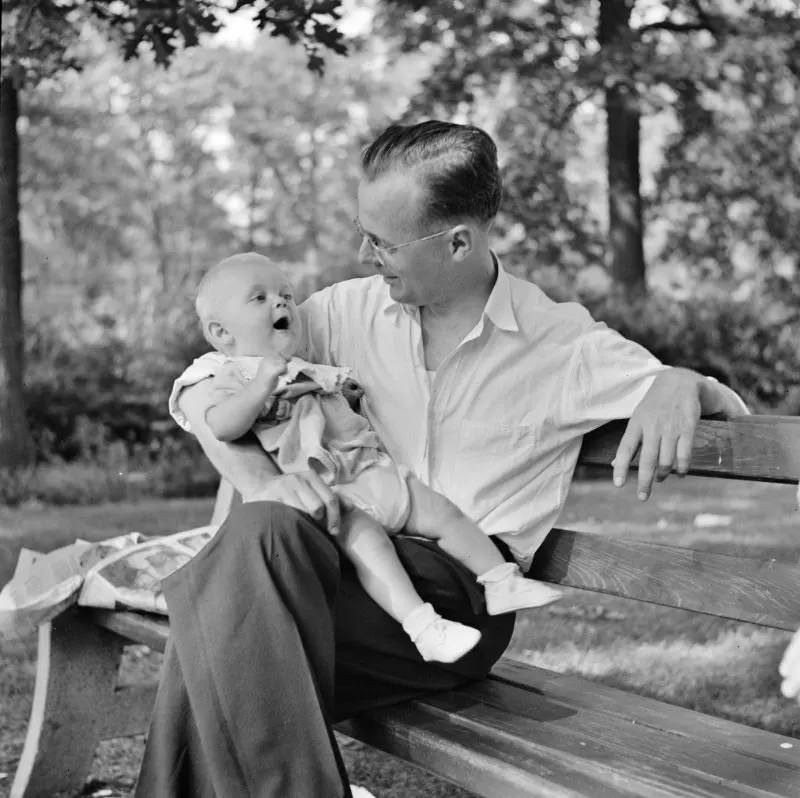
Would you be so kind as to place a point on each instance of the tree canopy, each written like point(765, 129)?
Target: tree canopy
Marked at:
point(134, 178)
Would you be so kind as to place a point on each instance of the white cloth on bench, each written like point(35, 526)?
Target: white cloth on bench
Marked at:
point(123, 572)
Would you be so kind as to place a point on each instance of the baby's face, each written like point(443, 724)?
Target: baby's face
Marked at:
point(257, 308)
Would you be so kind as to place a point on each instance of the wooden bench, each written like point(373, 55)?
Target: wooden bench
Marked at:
point(524, 731)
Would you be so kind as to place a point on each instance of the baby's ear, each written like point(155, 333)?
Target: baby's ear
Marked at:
point(218, 336)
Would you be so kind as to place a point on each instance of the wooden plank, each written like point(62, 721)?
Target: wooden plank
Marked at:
point(481, 749)
point(129, 713)
point(488, 765)
point(76, 673)
point(137, 627)
point(609, 743)
point(764, 592)
point(526, 713)
point(760, 448)
point(580, 694)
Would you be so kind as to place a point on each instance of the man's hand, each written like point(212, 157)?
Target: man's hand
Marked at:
point(663, 425)
point(790, 669)
point(305, 492)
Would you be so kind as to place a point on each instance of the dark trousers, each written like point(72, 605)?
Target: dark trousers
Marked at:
point(272, 640)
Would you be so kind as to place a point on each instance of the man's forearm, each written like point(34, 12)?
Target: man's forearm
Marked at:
point(719, 399)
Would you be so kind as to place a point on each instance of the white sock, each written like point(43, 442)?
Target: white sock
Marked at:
point(436, 638)
point(507, 590)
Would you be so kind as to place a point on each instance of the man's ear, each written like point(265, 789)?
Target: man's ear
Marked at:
point(219, 336)
point(461, 242)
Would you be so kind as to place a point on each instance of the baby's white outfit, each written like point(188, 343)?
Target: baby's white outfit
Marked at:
point(317, 430)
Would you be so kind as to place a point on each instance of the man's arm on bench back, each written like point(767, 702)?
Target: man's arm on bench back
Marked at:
point(251, 471)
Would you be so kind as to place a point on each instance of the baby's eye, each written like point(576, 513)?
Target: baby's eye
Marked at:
point(287, 296)
point(260, 296)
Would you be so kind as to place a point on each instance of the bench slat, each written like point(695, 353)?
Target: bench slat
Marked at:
point(765, 592)
point(138, 627)
point(536, 757)
point(543, 718)
point(490, 765)
point(579, 693)
point(760, 448)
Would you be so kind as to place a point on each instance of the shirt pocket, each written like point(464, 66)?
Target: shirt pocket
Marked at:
point(482, 441)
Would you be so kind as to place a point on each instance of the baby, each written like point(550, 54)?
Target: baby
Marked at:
point(303, 421)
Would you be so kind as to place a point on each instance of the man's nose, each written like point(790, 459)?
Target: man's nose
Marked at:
point(367, 256)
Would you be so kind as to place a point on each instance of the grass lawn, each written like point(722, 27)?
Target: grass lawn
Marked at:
point(717, 666)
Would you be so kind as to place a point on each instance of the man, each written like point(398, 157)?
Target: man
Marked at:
point(478, 384)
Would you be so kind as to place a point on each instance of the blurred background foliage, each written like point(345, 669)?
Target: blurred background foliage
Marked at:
point(135, 178)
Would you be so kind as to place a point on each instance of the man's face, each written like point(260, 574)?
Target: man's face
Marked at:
point(389, 214)
point(258, 309)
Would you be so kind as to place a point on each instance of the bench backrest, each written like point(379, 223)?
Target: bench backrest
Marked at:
point(766, 592)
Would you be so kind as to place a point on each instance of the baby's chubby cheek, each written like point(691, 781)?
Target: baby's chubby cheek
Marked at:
point(302, 346)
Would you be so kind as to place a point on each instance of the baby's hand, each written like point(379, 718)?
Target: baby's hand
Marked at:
point(270, 368)
point(353, 392)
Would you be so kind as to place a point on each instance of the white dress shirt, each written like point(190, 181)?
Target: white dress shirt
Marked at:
point(498, 427)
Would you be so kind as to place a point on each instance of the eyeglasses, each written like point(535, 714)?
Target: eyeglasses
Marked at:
point(380, 250)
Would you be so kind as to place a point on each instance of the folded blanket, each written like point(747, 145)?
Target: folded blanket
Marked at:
point(124, 572)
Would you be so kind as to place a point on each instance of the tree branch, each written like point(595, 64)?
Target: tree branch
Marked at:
point(679, 27)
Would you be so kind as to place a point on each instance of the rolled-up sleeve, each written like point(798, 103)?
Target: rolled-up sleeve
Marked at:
point(608, 376)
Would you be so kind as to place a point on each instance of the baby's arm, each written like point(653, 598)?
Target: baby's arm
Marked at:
point(250, 470)
point(232, 415)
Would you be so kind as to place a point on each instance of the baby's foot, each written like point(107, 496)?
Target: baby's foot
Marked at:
point(507, 590)
point(437, 638)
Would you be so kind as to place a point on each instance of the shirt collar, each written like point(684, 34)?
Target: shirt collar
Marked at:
point(499, 307)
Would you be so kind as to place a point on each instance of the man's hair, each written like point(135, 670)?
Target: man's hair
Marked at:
point(457, 164)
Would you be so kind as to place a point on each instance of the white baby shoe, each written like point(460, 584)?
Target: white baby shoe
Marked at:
point(360, 792)
point(507, 590)
point(438, 639)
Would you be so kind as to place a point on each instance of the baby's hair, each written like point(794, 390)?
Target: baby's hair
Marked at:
point(204, 303)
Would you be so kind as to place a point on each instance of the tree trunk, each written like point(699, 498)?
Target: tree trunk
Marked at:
point(16, 446)
point(625, 234)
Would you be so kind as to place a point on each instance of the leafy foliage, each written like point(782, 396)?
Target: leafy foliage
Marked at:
point(38, 35)
point(136, 178)
point(531, 72)
point(748, 346)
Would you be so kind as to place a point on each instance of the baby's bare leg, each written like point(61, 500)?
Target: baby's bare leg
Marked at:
point(379, 569)
point(382, 575)
point(505, 587)
point(435, 516)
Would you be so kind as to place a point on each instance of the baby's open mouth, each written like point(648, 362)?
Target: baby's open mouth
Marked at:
point(281, 324)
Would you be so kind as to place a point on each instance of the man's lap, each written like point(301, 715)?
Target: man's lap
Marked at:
point(376, 663)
